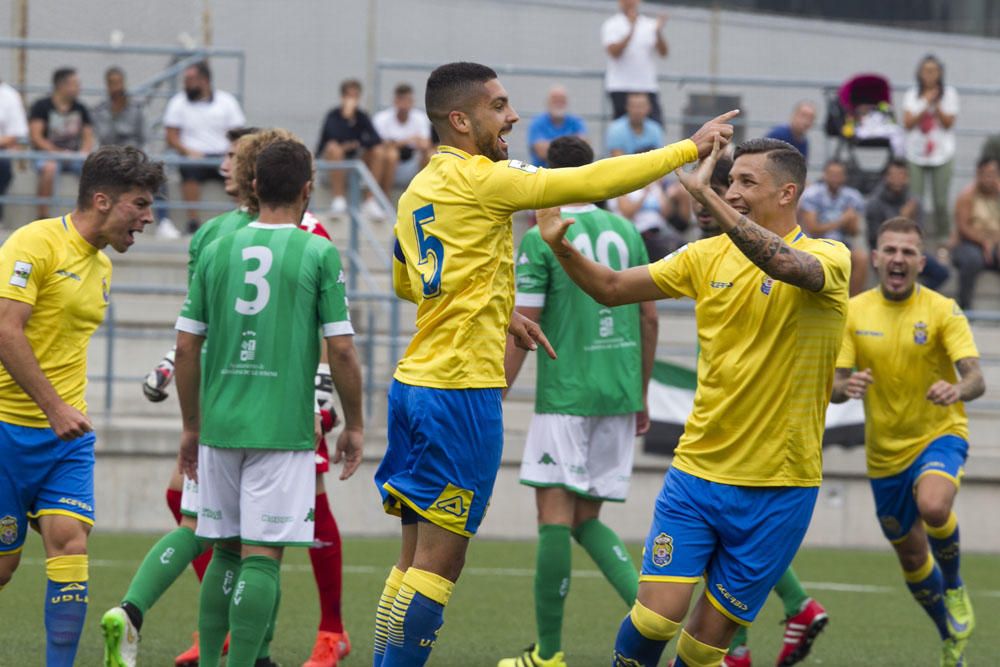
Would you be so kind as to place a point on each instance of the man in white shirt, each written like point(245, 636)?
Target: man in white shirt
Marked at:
point(406, 136)
point(13, 131)
point(197, 121)
point(632, 42)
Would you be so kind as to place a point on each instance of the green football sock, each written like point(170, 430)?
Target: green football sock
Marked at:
point(740, 638)
point(213, 607)
point(251, 608)
point(609, 553)
point(790, 590)
point(552, 572)
point(265, 648)
point(162, 565)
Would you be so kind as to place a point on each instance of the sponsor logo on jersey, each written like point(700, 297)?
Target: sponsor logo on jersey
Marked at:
point(868, 332)
point(22, 271)
point(606, 326)
point(547, 460)
point(523, 259)
point(663, 550)
point(68, 274)
point(920, 334)
point(766, 285)
point(311, 516)
point(8, 530)
point(730, 599)
point(248, 347)
point(105, 291)
point(522, 166)
point(453, 505)
point(719, 284)
point(73, 502)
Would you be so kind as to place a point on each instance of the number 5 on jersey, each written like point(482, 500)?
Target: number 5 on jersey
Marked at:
point(428, 246)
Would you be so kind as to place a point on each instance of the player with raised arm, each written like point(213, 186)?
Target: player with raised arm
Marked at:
point(590, 403)
point(55, 289)
point(454, 258)
point(901, 347)
point(167, 559)
point(770, 305)
point(248, 420)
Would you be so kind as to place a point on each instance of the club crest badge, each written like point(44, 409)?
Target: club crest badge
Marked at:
point(663, 550)
point(766, 285)
point(920, 333)
point(8, 530)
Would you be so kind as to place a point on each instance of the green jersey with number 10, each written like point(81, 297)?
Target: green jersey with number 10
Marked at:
point(260, 295)
point(599, 369)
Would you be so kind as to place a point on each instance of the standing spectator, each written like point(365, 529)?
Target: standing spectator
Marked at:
point(797, 130)
point(892, 198)
point(59, 124)
point(554, 123)
point(631, 42)
point(929, 112)
point(832, 210)
point(636, 131)
point(348, 133)
point(977, 219)
point(197, 121)
point(406, 136)
point(13, 131)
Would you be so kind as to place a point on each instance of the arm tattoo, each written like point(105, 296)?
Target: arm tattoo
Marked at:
point(770, 252)
point(972, 385)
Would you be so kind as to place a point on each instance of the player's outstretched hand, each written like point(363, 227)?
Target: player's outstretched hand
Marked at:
point(943, 393)
point(528, 335)
point(552, 226)
point(858, 383)
point(699, 181)
point(68, 423)
point(187, 457)
point(717, 128)
point(348, 451)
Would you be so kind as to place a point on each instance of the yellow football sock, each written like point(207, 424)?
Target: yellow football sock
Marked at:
point(651, 625)
point(696, 654)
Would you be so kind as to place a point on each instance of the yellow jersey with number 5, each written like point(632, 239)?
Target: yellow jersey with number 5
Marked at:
point(454, 251)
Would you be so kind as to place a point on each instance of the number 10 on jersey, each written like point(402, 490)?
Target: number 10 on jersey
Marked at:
point(428, 246)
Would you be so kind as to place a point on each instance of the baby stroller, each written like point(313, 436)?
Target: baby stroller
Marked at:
point(861, 119)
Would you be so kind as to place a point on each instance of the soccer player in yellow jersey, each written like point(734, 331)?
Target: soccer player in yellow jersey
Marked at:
point(901, 347)
point(54, 289)
point(770, 306)
point(454, 258)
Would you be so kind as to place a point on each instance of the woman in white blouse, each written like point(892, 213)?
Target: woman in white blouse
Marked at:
point(929, 112)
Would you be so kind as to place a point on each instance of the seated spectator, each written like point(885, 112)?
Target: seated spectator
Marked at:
point(59, 124)
point(892, 198)
point(554, 123)
point(197, 121)
point(406, 136)
point(832, 210)
point(347, 134)
point(13, 132)
point(991, 147)
point(661, 212)
point(977, 219)
point(796, 132)
point(634, 132)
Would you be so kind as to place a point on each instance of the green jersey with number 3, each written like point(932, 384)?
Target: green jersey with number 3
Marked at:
point(215, 228)
point(599, 369)
point(259, 296)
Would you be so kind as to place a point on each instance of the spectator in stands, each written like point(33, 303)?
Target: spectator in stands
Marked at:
point(636, 131)
point(13, 132)
point(197, 121)
point(929, 112)
point(892, 198)
point(554, 123)
point(832, 210)
point(797, 130)
point(661, 212)
point(406, 137)
point(991, 147)
point(977, 219)
point(347, 134)
point(632, 42)
point(59, 124)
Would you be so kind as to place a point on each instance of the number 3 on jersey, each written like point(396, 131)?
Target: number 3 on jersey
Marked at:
point(257, 278)
point(428, 246)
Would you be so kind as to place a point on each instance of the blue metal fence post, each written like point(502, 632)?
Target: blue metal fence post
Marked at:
point(354, 210)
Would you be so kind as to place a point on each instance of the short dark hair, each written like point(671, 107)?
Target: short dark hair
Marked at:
point(985, 160)
point(785, 158)
point(114, 170)
point(449, 86)
point(720, 174)
point(203, 69)
point(403, 89)
point(237, 132)
point(902, 225)
point(114, 69)
point(282, 169)
point(347, 84)
point(569, 151)
point(61, 75)
point(898, 162)
point(835, 162)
